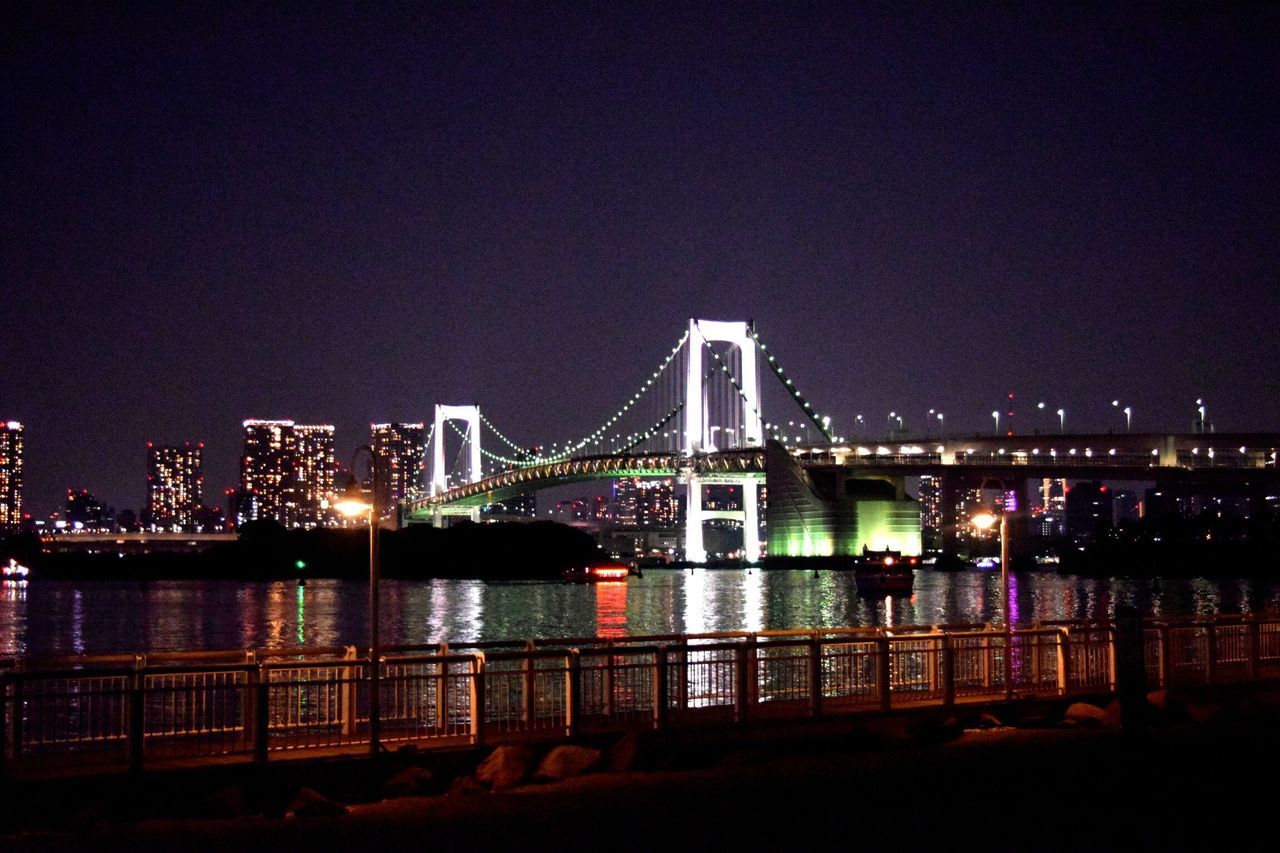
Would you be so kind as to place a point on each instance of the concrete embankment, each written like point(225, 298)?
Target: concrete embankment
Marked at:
point(1190, 782)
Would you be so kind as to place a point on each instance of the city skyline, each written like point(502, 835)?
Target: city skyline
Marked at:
point(352, 216)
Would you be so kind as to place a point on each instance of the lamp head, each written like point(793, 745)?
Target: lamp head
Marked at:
point(983, 520)
point(352, 502)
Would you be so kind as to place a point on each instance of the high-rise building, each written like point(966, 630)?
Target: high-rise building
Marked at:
point(1051, 515)
point(267, 472)
point(10, 476)
point(656, 503)
point(1089, 511)
point(401, 449)
point(931, 511)
point(313, 474)
point(175, 485)
point(85, 512)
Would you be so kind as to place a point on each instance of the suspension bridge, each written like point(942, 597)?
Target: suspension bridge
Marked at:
point(700, 417)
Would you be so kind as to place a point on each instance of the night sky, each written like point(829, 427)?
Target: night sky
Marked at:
point(347, 213)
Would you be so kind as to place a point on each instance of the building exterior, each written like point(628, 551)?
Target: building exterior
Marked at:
point(85, 512)
point(931, 512)
point(403, 453)
point(313, 474)
point(175, 486)
point(266, 472)
point(1089, 511)
point(1050, 517)
point(11, 439)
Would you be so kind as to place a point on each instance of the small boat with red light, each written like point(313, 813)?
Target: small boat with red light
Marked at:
point(597, 572)
point(884, 571)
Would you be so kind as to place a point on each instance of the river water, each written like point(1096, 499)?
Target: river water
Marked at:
point(79, 617)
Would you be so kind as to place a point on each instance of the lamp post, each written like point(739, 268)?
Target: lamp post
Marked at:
point(351, 506)
point(985, 521)
point(1062, 420)
point(996, 415)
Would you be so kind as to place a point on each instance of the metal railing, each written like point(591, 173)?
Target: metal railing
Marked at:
point(110, 712)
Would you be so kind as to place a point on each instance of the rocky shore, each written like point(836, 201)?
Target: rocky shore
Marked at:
point(1065, 779)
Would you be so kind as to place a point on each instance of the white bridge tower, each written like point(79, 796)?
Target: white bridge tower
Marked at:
point(698, 432)
point(439, 473)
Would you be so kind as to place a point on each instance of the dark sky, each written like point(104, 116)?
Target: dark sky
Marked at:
point(217, 211)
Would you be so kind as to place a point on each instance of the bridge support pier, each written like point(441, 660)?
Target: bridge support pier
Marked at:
point(751, 521)
point(694, 551)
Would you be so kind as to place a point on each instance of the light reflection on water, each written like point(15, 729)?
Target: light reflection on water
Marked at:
point(53, 617)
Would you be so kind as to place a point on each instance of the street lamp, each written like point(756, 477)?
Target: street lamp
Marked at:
point(352, 506)
point(996, 415)
point(942, 426)
point(857, 426)
point(985, 521)
point(1062, 420)
point(1128, 418)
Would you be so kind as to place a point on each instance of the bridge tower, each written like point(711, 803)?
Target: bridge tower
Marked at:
point(439, 473)
point(697, 430)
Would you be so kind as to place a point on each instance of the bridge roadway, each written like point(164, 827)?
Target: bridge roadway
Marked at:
point(1197, 457)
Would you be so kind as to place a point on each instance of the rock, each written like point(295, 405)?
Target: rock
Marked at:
point(409, 782)
point(1086, 715)
point(1113, 713)
point(465, 785)
point(1068, 724)
point(741, 758)
point(930, 731)
point(311, 803)
point(225, 803)
point(628, 753)
point(1204, 712)
point(567, 761)
point(506, 767)
point(988, 720)
point(1159, 699)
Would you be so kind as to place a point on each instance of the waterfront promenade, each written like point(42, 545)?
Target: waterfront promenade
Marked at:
point(135, 712)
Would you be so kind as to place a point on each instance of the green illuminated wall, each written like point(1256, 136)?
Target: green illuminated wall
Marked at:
point(803, 523)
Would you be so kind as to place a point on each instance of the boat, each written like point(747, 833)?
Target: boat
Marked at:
point(14, 571)
point(597, 572)
point(884, 571)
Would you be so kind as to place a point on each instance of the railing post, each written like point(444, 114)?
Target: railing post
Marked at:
point(1165, 652)
point(1064, 661)
point(660, 698)
point(815, 674)
point(1255, 653)
point(1008, 663)
point(573, 685)
point(948, 653)
point(1211, 652)
point(606, 689)
point(442, 691)
point(741, 698)
point(883, 672)
point(261, 683)
point(1129, 669)
point(349, 692)
point(530, 710)
point(137, 725)
point(477, 699)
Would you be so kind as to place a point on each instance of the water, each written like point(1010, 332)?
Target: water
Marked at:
point(77, 617)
